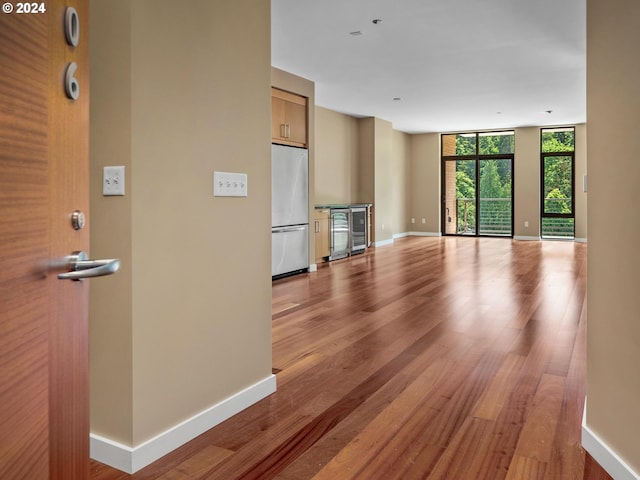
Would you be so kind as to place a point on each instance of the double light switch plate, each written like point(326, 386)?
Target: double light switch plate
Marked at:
point(113, 181)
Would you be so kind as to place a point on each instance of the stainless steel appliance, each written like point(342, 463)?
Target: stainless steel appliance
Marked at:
point(358, 230)
point(289, 210)
point(340, 233)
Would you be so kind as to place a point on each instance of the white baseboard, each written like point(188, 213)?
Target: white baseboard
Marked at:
point(313, 267)
point(132, 459)
point(601, 453)
point(425, 234)
point(577, 240)
point(382, 243)
point(405, 234)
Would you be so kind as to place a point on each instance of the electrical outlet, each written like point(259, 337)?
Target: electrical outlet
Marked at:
point(526, 224)
point(413, 220)
point(382, 226)
point(424, 220)
point(113, 181)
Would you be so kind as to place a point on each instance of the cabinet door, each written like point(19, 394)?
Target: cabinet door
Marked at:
point(325, 236)
point(288, 118)
point(296, 117)
point(278, 122)
point(322, 234)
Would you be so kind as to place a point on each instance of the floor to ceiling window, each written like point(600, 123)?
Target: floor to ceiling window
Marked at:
point(477, 183)
point(557, 167)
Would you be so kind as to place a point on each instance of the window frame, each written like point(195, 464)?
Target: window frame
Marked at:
point(543, 156)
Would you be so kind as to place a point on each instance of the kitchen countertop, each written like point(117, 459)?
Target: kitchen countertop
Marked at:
point(343, 205)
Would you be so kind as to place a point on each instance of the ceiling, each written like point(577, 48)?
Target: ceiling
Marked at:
point(439, 65)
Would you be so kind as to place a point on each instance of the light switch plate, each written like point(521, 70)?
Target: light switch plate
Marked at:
point(227, 184)
point(113, 181)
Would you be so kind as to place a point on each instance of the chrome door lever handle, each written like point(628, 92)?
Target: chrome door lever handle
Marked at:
point(81, 267)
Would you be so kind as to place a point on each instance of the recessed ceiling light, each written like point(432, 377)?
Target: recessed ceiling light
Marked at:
point(549, 111)
point(356, 33)
point(397, 99)
point(376, 21)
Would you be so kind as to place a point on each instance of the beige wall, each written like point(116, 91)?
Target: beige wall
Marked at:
point(526, 183)
point(366, 160)
point(383, 169)
point(111, 340)
point(173, 333)
point(613, 112)
point(383, 199)
point(580, 172)
point(425, 183)
point(400, 181)
point(336, 166)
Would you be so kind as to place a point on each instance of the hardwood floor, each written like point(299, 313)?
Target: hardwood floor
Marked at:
point(438, 358)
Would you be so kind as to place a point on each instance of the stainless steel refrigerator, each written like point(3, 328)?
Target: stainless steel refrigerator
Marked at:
point(289, 210)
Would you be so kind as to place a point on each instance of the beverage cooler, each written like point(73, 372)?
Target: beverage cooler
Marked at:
point(358, 230)
point(340, 237)
point(348, 231)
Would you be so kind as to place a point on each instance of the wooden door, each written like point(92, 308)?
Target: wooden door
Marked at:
point(44, 421)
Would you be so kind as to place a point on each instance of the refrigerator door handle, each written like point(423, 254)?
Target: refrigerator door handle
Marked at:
point(287, 229)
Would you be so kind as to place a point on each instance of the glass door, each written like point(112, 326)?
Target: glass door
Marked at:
point(477, 183)
point(496, 193)
point(460, 197)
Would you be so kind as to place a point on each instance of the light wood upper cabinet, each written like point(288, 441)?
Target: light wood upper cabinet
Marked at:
point(288, 118)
